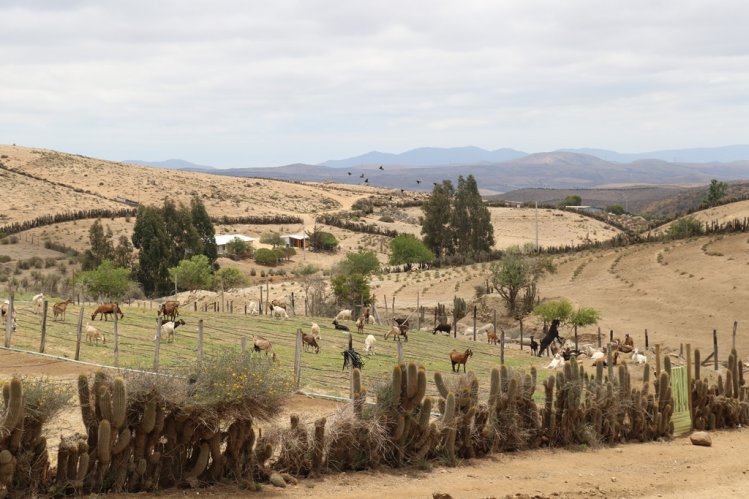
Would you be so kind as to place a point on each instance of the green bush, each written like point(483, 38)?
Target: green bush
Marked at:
point(684, 227)
point(4, 258)
point(265, 256)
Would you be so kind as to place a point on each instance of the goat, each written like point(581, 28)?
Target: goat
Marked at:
point(315, 329)
point(369, 344)
point(339, 327)
point(360, 325)
point(534, 346)
point(623, 347)
point(93, 335)
point(105, 310)
point(37, 300)
point(401, 322)
point(168, 329)
point(557, 361)
point(59, 309)
point(597, 355)
point(343, 315)
point(629, 341)
point(278, 303)
point(280, 313)
point(371, 320)
point(309, 342)
point(12, 315)
point(396, 332)
point(458, 358)
point(252, 308)
point(491, 337)
point(638, 358)
point(169, 309)
point(260, 344)
point(352, 357)
point(552, 335)
point(442, 328)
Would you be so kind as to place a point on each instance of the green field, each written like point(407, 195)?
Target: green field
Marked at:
point(320, 373)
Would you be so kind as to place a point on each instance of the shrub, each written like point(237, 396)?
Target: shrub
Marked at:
point(685, 227)
point(265, 256)
point(49, 262)
point(4, 258)
point(387, 219)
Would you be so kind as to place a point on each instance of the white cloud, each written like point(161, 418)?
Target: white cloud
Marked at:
point(235, 83)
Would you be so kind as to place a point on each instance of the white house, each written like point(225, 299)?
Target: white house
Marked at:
point(223, 239)
point(298, 240)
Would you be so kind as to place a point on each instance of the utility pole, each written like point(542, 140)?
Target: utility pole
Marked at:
point(536, 226)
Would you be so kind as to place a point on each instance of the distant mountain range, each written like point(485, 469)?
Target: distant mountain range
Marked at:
point(505, 170)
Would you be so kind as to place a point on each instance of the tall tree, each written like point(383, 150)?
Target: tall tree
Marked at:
point(100, 246)
point(204, 228)
point(435, 226)
point(123, 253)
point(405, 248)
point(470, 220)
point(715, 192)
point(192, 274)
point(181, 232)
point(150, 238)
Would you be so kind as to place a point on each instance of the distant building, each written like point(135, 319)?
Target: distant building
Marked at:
point(586, 209)
point(298, 240)
point(224, 239)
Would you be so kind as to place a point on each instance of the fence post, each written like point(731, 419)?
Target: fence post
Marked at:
point(399, 347)
point(393, 307)
point(298, 358)
point(474, 322)
point(9, 321)
point(116, 341)
point(689, 376)
point(521, 333)
point(733, 338)
point(646, 339)
point(611, 335)
point(200, 340)
point(157, 346)
point(78, 334)
point(244, 344)
point(195, 306)
point(418, 316)
point(385, 300)
point(260, 305)
point(268, 308)
point(42, 343)
point(599, 338)
point(715, 349)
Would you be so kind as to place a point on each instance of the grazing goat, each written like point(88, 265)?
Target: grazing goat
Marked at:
point(343, 315)
point(557, 361)
point(442, 328)
point(278, 303)
point(105, 310)
point(597, 355)
point(629, 341)
point(37, 300)
point(638, 358)
point(360, 325)
point(458, 358)
point(309, 342)
point(59, 309)
point(260, 344)
point(401, 322)
point(369, 344)
point(315, 329)
point(491, 338)
point(169, 309)
point(371, 320)
point(280, 313)
point(353, 358)
point(552, 335)
point(252, 308)
point(396, 332)
point(534, 346)
point(623, 347)
point(339, 327)
point(168, 329)
point(93, 336)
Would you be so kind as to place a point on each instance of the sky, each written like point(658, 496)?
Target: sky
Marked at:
point(236, 83)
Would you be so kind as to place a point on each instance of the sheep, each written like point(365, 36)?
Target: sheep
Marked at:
point(638, 358)
point(371, 320)
point(260, 344)
point(369, 344)
point(315, 330)
point(458, 358)
point(278, 303)
point(339, 327)
point(343, 315)
point(589, 350)
point(360, 325)
point(93, 336)
point(280, 313)
point(557, 361)
point(442, 328)
point(168, 329)
point(597, 355)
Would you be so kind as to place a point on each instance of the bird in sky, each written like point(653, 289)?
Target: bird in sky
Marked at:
point(366, 181)
point(349, 173)
point(361, 176)
point(381, 168)
point(418, 181)
point(435, 184)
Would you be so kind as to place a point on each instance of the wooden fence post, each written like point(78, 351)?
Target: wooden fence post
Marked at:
point(78, 334)
point(260, 306)
point(474, 322)
point(244, 344)
point(43, 342)
point(733, 338)
point(646, 340)
point(200, 340)
point(268, 307)
point(689, 376)
point(611, 335)
point(385, 300)
point(393, 307)
point(116, 342)
point(418, 315)
point(599, 337)
point(521, 333)
point(9, 321)
point(715, 349)
point(195, 306)
point(298, 358)
point(157, 346)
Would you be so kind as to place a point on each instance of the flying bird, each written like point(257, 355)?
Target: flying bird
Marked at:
point(361, 176)
point(381, 168)
point(418, 181)
point(402, 191)
point(366, 181)
point(349, 173)
point(435, 184)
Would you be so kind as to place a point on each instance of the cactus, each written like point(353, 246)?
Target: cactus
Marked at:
point(14, 405)
point(318, 446)
point(200, 463)
point(119, 403)
point(104, 442)
point(396, 387)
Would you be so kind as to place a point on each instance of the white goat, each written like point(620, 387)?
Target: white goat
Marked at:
point(597, 355)
point(557, 361)
point(371, 319)
point(638, 358)
point(280, 313)
point(315, 331)
point(252, 308)
point(343, 315)
point(369, 344)
point(168, 328)
point(37, 301)
point(93, 335)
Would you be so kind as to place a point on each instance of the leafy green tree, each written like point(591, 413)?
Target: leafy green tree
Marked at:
point(362, 262)
point(715, 192)
point(684, 227)
point(181, 231)
point(435, 226)
point(192, 274)
point(123, 253)
point(272, 238)
point(322, 241)
point(228, 278)
point(405, 248)
point(352, 289)
point(204, 229)
point(615, 209)
point(555, 309)
point(100, 246)
point(573, 200)
point(516, 274)
point(265, 256)
point(105, 282)
point(150, 238)
point(238, 249)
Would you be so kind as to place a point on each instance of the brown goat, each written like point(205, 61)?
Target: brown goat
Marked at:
point(458, 358)
point(169, 309)
point(491, 337)
point(360, 324)
point(106, 309)
point(260, 344)
point(309, 342)
point(58, 309)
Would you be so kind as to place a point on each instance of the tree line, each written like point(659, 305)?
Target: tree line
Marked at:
point(44, 220)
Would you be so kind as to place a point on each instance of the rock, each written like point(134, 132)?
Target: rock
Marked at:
point(277, 480)
point(701, 438)
point(441, 495)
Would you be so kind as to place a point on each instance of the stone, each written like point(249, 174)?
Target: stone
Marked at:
point(441, 495)
point(277, 480)
point(701, 438)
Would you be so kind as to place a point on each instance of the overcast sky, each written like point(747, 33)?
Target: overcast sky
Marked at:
point(265, 83)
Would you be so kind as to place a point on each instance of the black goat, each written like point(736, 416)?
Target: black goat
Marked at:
point(442, 328)
point(353, 357)
point(340, 327)
point(534, 346)
point(552, 335)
